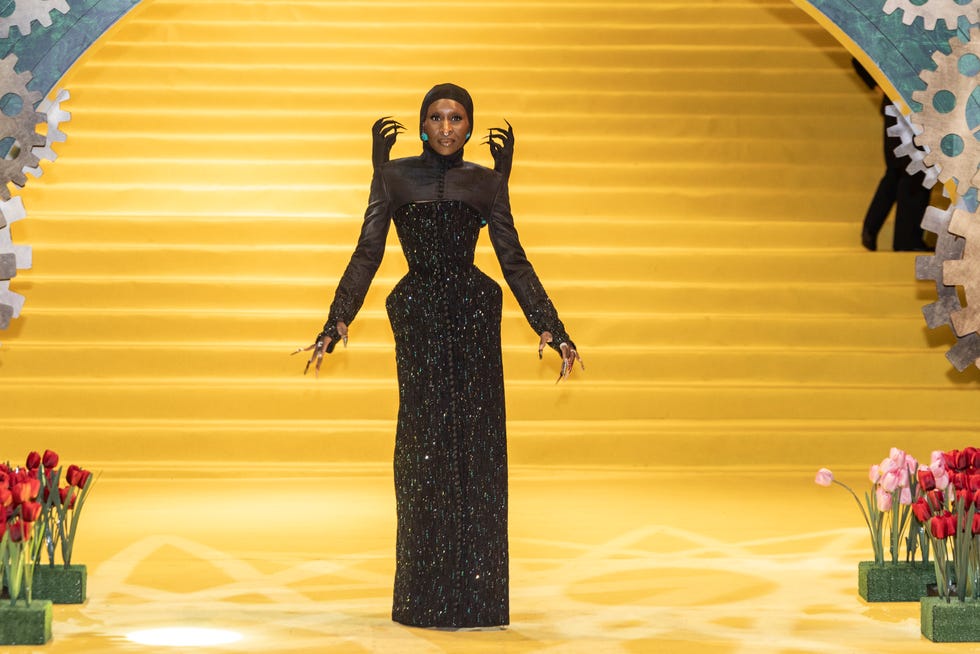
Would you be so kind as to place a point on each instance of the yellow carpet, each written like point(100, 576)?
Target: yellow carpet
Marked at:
point(689, 182)
point(602, 562)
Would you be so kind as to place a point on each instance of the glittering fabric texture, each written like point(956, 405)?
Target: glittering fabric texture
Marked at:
point(450, 448)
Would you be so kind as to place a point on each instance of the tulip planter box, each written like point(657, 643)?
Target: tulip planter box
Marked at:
point(59, 584)
point(950, 622)
point(895, 582)
point(25, 624)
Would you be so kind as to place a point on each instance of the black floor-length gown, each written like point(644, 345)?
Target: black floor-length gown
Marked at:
point(450, 447)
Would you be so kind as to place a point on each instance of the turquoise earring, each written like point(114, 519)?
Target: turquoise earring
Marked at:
point(424, 137)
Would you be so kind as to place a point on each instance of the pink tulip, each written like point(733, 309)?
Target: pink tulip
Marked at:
point(890, 481)
point(905, 498)
point(903, 477)
point(884, 499)
point(886, 466)
point(824, 477)
point(874, 474)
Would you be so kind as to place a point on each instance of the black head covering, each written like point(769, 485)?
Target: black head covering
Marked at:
point(447, 92)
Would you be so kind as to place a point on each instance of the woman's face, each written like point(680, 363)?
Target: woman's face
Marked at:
point(446, 124)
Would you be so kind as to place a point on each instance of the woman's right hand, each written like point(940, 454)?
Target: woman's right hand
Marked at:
point(320, 347)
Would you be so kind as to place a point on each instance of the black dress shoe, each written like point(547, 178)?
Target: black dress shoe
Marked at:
point(869, 242)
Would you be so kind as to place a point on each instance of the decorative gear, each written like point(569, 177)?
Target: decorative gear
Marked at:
point(965, 272)
point(948, 119)
point(18, 120)
point(905, 131)
point(27, 11)
point(949, 11)
point(949, 248)
point(12, 257)
point(56, 116)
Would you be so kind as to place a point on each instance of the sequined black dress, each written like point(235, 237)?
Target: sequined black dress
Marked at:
point(450, 447)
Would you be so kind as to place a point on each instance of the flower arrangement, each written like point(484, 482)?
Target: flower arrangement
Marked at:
point(62, 504)
point(36, 511)
point(19, 510)
point(949, 508)
point(894, 487)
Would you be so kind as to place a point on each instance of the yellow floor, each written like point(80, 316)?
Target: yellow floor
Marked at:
point(603, 561)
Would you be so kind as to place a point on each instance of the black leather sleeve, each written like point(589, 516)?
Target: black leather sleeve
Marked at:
point(364, 262)
point(520, 275)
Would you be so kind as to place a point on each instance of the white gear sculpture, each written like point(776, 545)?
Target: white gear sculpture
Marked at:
point(56, 116)
point(948, 11)
point(21, 126)
point(905, 131)
point(12, 257)
point(943, 125)
point(27, 11)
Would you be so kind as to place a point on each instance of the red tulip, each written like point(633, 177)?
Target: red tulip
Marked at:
point(30, 511)
point(976, 524)
point(19, 531)
point(937, 527)
point(927, 480)
point(966, 495)
point(77, 476)
point(937, 500)
point(4, 480)
point(21, 493)
point(921, 510)
point(6, 497)
point(951, 522)
point(35, 485)
point(64, 496)
point(33, 461)
point(50, 459)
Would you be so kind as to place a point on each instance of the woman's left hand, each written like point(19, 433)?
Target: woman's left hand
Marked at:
point(384, 132)
point(569, 355)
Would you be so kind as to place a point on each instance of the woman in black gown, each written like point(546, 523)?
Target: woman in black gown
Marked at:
point(450, 446)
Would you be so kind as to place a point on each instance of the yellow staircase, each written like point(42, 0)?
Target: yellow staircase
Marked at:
point(689, 183)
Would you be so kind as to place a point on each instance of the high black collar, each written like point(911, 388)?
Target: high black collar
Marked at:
point(443, 161)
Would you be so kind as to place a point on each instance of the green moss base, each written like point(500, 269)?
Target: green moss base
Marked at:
point(59, 584)
point(894, 582)
point(25, 625)
point(950, 622)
